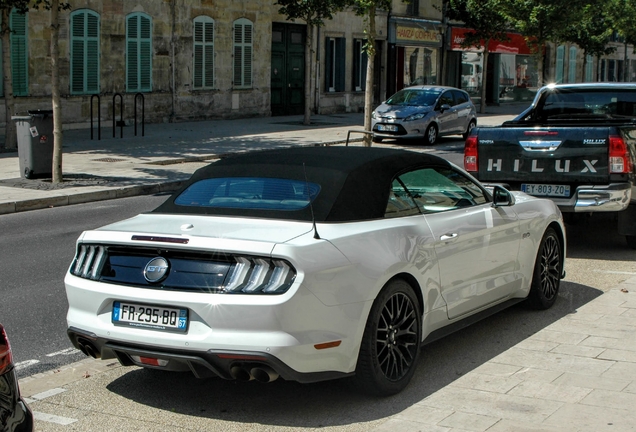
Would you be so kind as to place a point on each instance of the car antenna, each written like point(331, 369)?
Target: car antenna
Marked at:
point(311, 207)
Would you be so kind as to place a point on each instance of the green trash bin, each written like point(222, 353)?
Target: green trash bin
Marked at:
point(35, 143)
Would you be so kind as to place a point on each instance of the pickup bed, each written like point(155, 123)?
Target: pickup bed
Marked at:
point(576, 144)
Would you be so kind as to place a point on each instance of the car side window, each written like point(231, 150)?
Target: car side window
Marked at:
point(460, 97)
point(439, 189)
point(447, 98)
point(400, 202)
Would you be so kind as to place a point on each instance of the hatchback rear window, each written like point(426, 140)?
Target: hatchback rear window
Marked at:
point(256, 193)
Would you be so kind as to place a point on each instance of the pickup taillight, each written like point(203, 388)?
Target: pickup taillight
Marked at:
point(470, 154)
point(5, 351)
point(620, 162)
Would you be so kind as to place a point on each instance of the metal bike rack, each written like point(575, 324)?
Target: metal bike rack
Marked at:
point(99, 117)
point(121, 114)
point(365, 132)
point(140, 96)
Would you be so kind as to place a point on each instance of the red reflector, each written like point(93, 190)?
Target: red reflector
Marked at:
point(328, 345)
point(540, 133)
point(149, 361)
point(470, 154)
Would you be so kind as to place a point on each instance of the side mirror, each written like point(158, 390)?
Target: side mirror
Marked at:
point(444, 107)
point(501, 197)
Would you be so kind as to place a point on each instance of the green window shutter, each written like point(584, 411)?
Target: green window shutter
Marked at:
point(203, 76)
point(559, 65)
point(85, 52)
point(138, 53)
point(329, 75)
point(19, 54)
point(340, 64)
point(243, 29)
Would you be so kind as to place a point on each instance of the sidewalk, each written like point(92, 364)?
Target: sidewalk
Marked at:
point(168, 154)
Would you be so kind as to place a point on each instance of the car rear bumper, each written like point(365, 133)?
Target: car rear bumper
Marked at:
point(605, 198)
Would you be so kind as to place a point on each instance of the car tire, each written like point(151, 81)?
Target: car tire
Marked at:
point(469, 129)
point(391, 342)
point(377, 139)
point(548, 267)
point(631, 241)
point(430, 136)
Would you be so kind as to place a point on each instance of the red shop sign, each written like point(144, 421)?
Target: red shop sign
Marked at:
point(516, 43)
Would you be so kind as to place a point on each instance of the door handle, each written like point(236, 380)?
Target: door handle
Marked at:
point(448, 236)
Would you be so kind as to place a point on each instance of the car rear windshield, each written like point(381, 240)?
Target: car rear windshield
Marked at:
point(607, 103)
point(256, 193)
point(414, 97)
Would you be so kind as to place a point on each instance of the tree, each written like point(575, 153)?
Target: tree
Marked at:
point(368, 10)
point(487, 23)
point(621, 14)
point(21, 6)
point(313, 12)
point(540, 21)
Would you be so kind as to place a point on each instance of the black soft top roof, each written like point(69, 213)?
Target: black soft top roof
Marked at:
point(355, 181)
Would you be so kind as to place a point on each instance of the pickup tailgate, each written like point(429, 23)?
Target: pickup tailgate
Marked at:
point(555, 155)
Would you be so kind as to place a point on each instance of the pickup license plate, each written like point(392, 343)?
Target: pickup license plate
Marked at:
point(546, 190)
point(150, 317)
point(387, 128)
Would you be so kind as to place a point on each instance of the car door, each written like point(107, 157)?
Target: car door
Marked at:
point(463, 107)
point(446, 119)
point(476, 244)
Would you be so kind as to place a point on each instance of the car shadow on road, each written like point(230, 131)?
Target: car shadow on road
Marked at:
point(336, 403)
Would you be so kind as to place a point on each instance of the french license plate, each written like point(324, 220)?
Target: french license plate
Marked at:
point(546, 190)
point(387, 128)
point(150, 317)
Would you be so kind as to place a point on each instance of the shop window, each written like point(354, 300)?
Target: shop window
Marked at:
point(19, 53)
point(138, 53)
point(243, 48)
point(203, 67)
point(360, 60)
point(572, 65)
point(335, 51)
point(558, 69)
point(85, 41)
point(420, 66)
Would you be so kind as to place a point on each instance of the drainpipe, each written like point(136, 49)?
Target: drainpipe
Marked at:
point(172, 60)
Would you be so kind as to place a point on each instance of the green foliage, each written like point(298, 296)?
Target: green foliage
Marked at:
point(484, 17)
point(591, 29)
point(313, 12)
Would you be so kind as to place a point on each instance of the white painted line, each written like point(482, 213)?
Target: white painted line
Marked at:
point(67, 351)
point(29, 401)
point(48, 393)
point(25, 364)
point(53, 418)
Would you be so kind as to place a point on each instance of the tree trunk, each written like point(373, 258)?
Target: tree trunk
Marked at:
point(308, 46)
point(10, 136)
point(484, 79)
point(55, 92)
point(368, 91)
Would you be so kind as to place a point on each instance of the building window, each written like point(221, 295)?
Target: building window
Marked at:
point(84, 52)
point(19, 53)
point(572, 65)
point(558, 70)
point(413, 8)
point(243, 32)
point(335, 51)
point(138, 53)
point(589, 68)
point(359, 65)
point(203, 76)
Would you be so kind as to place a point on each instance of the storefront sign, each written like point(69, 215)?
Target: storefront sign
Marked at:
point(516, 44)
point(417, 34)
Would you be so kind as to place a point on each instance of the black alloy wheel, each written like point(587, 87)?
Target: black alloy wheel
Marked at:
point(391, 342)
point(548, 267)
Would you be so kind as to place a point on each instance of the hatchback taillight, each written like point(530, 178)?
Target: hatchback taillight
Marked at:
point(620, 162)
point(470, 154)
point(6, 359)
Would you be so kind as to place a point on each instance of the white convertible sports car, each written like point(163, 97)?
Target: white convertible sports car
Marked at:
point(311, 264)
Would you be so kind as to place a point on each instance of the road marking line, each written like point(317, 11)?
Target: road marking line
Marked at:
point(67, 351)
point(53, 418)
point(25, 364)
point(48, 393)
point(615, 272)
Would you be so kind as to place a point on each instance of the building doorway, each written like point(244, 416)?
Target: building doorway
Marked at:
point(288, 69)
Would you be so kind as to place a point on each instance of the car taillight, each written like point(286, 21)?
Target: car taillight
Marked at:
point(6, 359)
point(470, 154)
point(620, 161)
